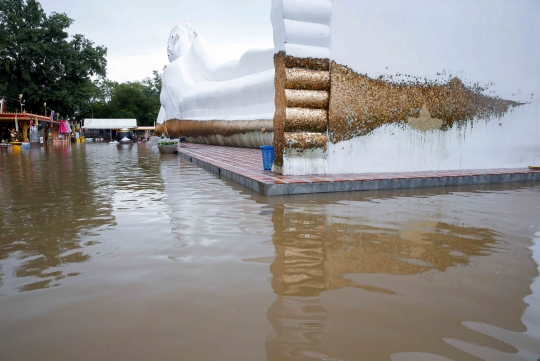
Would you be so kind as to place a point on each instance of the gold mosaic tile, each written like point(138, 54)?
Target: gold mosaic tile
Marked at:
point(305, 119)
point(305, 140)
point(281, 106)
point(307, 63)
point(359, 104)
point(307, 98)
point(307, 79)
point(175, 128)
point(425, 122)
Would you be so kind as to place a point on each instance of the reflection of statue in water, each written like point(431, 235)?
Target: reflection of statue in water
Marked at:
point(314, 252)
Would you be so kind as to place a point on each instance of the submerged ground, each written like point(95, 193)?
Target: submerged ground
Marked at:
point(122, 254)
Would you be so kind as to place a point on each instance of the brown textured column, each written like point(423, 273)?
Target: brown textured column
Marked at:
point(305, 140)
point(306, 92)
point(308, 63)
point(307, 98)
point(306, 119)
point(307, 79)
point(280, 113)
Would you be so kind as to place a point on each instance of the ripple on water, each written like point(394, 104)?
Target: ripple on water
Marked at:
point(138, 239)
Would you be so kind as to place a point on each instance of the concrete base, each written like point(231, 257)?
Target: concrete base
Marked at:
point(225, 161)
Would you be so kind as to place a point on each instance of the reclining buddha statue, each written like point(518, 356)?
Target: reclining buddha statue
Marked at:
point(346, 90)
point(207, 101)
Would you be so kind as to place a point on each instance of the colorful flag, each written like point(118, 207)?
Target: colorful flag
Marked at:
point(62, 129)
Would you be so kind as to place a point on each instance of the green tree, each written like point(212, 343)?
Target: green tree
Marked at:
point(152, 86)
point(39, 60)
point(130, 101)
point(138, 100)
point(104, 90)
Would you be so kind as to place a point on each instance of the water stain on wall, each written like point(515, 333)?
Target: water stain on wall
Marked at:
point(360, 104)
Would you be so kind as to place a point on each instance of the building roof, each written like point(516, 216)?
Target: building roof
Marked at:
point(109, 123)
point(23, 116)
point(145, 128)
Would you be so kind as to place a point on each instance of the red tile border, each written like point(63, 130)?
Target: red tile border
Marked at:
point(247, 162)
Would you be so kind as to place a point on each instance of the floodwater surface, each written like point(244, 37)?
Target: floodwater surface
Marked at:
point(111, 253)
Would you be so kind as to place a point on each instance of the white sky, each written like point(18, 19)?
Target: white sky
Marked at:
point(135, 32)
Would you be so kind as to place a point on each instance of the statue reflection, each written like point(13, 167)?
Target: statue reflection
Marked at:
point(315, 252)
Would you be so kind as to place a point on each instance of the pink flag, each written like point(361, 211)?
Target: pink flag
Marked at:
point(63, 127)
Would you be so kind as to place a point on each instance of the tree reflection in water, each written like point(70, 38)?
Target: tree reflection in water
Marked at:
point(54, 201)
point(45, 201)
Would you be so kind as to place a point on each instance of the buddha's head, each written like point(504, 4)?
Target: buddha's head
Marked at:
point(180, 40)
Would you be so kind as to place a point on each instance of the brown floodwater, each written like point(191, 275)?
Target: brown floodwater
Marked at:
point(111, 253)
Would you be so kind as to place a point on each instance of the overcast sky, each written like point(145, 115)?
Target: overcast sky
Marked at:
point(135, 32)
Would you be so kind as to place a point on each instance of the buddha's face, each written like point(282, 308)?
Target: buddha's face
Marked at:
point(180, 40)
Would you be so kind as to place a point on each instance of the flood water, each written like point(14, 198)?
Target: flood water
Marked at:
point(113, 253)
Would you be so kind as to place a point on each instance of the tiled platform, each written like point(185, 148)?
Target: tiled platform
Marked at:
point(245, 167)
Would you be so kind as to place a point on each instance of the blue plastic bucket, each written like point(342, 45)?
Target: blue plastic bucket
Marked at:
point(267, 156)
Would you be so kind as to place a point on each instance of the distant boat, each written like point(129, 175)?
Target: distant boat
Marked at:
point(124, 136)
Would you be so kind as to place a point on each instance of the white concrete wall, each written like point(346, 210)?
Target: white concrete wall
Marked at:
point(513, 143)
point(483, 41)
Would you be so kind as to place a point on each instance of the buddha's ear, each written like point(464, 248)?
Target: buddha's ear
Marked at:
point(180, 40)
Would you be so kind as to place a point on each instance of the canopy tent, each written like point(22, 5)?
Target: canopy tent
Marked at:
point(110, 123)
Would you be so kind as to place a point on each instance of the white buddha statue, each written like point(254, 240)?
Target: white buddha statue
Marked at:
point(198, 87)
